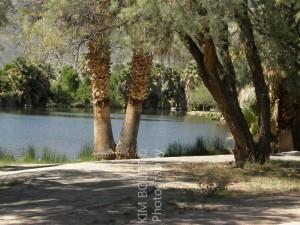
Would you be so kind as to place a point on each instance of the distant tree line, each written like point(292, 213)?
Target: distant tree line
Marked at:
point(23, 83)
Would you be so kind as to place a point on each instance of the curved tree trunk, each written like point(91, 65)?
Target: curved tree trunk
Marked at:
point(99, 67)
point(261, 89)
point(138, 91)
point(222, 87)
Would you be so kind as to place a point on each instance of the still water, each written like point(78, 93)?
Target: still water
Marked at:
point(66, 131)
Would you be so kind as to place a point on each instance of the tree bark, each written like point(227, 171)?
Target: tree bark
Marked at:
point(99, 68)
point(138, 91)
point(261, 89)
point(222, 87)
point(127, 145)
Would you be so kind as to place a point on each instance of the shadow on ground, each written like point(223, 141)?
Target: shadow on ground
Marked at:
point(20, 168)
point(74, 197)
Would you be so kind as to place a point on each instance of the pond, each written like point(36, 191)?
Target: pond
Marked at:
point(66, 131)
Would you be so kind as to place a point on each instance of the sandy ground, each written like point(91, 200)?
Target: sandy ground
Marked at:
point(131, 192)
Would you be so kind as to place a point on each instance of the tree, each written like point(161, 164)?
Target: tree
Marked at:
point(204, 29)
point(28, 82)
point(89, 23)
point(64, 88)
point(261, 89)
point(69, 78)
point(83, 93)
point(137, 93)
point(276, 26)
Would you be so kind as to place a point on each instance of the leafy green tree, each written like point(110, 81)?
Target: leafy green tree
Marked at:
point(65, 87)
point(197, 95)
point(28, 82)
point(83, 93)
point(201, 98)
point(4, 83)
point(69, 79)
point(203, 26)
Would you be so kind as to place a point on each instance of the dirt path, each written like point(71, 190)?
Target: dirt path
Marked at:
point(115, 193)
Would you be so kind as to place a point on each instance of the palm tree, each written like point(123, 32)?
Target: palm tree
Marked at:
point(99, 67)
point(138, 91)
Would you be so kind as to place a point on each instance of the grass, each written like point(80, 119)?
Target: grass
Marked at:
point(32, 155)
point(48, 156)
point(273, 177)
point(86, 153)
point(6, 157)
point(29, 154)
point(200, 147)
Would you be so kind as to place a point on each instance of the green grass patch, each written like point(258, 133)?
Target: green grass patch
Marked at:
point(33, 155)
point(6, 157)
point(29, 154)
point(86, 153)
point(48, 156)
point(200, 147)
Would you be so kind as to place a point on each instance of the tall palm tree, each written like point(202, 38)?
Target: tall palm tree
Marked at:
point(138, 91)
point(99, 67)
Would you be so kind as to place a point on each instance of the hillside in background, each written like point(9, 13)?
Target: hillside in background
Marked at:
point(9, 44)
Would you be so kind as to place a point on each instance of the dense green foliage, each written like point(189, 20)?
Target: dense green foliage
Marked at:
point(26, 83)
point(69, 89)
point(22, 82)
point(167, 89)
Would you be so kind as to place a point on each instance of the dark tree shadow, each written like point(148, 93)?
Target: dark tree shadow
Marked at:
point(64, 197)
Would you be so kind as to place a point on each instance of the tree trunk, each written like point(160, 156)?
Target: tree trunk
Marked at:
point(138, 91)
point(99, 68)
point(222, 87)
point(261, 89)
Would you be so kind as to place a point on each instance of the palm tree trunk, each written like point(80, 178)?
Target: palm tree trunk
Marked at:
point(99, 68)
point(261, 89)
point(138, 91)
